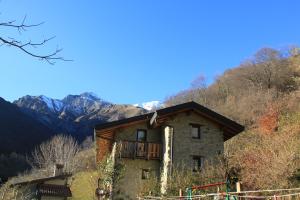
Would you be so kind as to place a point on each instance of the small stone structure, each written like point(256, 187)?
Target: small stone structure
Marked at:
point(48, 188)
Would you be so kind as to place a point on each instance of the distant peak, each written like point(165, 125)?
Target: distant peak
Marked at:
point(89, 94)
point(151, 105)
point(43, 97)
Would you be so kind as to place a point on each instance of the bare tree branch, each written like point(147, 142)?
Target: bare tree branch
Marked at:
point(25, 46)
point(21, 26)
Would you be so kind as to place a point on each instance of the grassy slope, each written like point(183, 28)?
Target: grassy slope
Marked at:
point(83, 185)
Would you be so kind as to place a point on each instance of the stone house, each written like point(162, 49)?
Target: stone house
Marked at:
point(54, 187)
point(150, 144)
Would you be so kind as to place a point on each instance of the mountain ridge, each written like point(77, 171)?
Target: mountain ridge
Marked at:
point(75, 114)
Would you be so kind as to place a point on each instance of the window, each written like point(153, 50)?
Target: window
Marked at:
point(141, 135)
point(197, 163)
point(196, 131)
point(145, 173)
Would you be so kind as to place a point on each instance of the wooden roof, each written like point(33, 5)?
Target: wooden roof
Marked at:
point(230, 127)
point(42, 180)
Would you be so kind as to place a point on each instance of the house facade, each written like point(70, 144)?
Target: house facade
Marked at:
point(151, 144)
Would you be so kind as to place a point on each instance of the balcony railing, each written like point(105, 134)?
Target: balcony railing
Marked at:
point(140, 150)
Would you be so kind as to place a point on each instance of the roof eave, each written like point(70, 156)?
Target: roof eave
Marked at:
point(212, 115)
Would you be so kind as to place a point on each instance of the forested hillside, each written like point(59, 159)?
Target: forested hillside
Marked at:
point(18, 132)
point(245, 92)
point(263, 93)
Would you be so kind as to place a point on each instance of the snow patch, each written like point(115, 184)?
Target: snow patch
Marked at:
point(89, 96)
point(47, 101)
point(57, 104)
point(151, 105)
point(52, 104)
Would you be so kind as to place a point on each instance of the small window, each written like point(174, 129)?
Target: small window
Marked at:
point(141, 135)
point(145, 174)
point(196, 131)
point(197, 163)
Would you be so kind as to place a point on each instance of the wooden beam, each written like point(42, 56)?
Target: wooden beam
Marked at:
point(122, 125)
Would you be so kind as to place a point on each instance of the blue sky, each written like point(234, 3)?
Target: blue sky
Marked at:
point(136, 51)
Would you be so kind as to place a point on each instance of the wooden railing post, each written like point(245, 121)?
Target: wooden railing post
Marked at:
point(147, 151)
point(135, 150)
point(142, 150)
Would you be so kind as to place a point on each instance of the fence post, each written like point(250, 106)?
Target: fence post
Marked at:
point(238, 187)
point(189, 193)
point(180, 193)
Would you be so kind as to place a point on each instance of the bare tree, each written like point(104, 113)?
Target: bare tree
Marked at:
point(61, 149)
point(270, 69)
point(243, 93)
point(199, 82)
point(28, 46)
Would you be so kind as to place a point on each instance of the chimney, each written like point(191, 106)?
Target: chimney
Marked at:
point(58, 169)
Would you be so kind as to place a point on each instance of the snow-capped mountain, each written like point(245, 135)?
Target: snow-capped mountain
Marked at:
point(75, 114)
point(150, 106)
point(53, 104)
point(76, 104)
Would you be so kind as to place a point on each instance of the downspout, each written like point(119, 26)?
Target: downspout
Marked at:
point(113, 160)
point(95, 146)
point(171, 149)
point(167, 150)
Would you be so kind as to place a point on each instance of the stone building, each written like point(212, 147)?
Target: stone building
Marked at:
point(50, 188)
point(54, 187)
point(150, 144)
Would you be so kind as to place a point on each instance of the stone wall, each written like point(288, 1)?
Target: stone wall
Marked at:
point(129, 133)
point(132, 182)
point(185, 147)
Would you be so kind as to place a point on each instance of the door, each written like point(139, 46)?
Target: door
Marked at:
point(141, 138)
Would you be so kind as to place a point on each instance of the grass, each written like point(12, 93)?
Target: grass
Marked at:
point(83, 185)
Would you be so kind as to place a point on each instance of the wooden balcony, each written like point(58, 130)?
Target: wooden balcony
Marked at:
point(140, 150)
